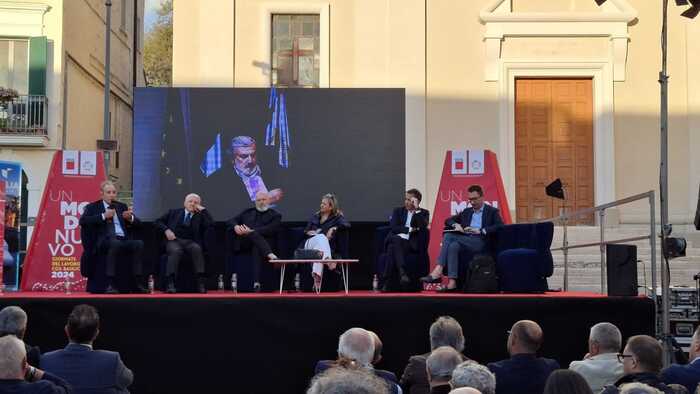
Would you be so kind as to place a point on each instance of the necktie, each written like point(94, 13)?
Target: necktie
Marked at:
point(188, 216)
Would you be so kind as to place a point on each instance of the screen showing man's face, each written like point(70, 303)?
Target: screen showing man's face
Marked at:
point(244, 159)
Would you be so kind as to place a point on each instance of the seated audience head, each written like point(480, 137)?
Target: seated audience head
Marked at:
point(13, 358)
point(83, 324)
point(525, 338)
point(357, 345)
point(604, 338)
point(465, 390)
point(329, 205)
point(566, 381)
point(694, 351)
point(642, 354)
point(347, 380)
point(109, 191)
point(191, 201)
point(446, 331)
point(412, 193)
point(474, 375)
point(262, 201)
point(440, 364)
point(13, 321)
point(638, 388)
point(378, 345)
point(476, 196)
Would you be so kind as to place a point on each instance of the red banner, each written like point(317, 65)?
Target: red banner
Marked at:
point(461, 169)
point(53, 256)
point(2, 235)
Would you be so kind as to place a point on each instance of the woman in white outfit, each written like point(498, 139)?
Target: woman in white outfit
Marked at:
point(321, 230)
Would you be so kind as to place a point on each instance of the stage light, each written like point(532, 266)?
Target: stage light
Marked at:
point(681, 2)
point(692, 12)
point(675, 247)
point(555, 189)
point(600, 2)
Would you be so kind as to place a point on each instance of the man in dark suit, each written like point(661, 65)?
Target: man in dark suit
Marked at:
point(523, 372)
point(185, 229)
point(18, 377)
point(686, 375)
point(407, 224)
point(108, 225)
point(83, 367)
point(445, 331)
point(255, 230)
point(13, 321)
point(468, 229)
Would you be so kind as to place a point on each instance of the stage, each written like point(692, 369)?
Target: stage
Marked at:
point(265, 343)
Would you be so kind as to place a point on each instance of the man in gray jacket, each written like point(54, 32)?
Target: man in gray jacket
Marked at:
point(600, 366)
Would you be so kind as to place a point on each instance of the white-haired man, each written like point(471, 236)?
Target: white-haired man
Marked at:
point(245, 165)
point(106, 229)
point(347, 380)
point(474, 375)
point(600, 366)
point(185, 230)
point(13, 321)
point(18, 377)
point(439, 366)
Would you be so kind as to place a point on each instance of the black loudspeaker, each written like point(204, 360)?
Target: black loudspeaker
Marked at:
point(697, 213)
point(622, 269)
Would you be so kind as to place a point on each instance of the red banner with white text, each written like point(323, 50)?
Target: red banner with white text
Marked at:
point(53, 256)
point(461, 169)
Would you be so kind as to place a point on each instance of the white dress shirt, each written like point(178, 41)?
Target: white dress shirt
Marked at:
point(409, 217)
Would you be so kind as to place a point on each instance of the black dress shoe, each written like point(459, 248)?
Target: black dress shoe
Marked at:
point(170, 289)
point(256, 287)
point(430, 279)
point(201, 287)
point(448, 290)
point(141, 289)
point(111, 290)
point(405, 280)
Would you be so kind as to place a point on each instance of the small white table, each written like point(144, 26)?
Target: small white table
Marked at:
point(343, 263)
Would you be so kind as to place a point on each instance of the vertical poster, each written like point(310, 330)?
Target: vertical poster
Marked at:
point(11, 174)
point(53, 256)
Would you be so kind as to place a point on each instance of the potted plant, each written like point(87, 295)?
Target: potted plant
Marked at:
point(6, 96)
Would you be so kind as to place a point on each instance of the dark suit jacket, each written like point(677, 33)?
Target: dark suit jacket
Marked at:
point(49, 384)
point(200, 223)
point(414, 379)
point(522, 374)
point(94, 231)
point(388, 376)
point(442, 389)
point(420, 220)
point(87, 370)
point(490, 219)
point(648, 378)
point(338, 221)
point(686, 375)
point(267, 224)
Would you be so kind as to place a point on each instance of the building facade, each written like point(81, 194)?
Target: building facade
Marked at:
point(52, 54)
point(555, 88)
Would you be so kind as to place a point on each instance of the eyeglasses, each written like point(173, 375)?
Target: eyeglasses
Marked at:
point(621, 357)
point(473, 198)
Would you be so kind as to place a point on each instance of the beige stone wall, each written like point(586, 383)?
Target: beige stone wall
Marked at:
point(435, 49)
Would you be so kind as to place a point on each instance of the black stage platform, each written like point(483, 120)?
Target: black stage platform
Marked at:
point(266, 343)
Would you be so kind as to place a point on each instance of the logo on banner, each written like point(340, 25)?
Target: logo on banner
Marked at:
point(88, 163)
point(459, 162)
point(468, 162)
point(70, 162)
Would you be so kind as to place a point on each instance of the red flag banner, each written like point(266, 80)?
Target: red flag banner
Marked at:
point(461, 169)
point(53, 256)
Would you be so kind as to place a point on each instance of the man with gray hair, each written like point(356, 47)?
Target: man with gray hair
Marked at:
point(474, 375)
point(599, 366)
point(17, 376)
point(347, 380)
point(445, 331)
point(13, 321)
point(439, 366)
point(245, 165)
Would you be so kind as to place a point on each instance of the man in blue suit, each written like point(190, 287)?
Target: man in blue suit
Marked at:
point(86, 369)
point(468, 229)
point(686, 375)
point(523, 372)
point(18, 377)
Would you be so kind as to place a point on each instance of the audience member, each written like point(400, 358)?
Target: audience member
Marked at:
point(524, 372)
point(82, 366)
point(13, 321)
point(347, 380)
point(465, 390)
point(376, 358)
point(439, 366)
point(472, 374)
point(564, 381)
point(638, 388)
point(641, 360)
point(686, 375)
point(18, 377)
point(600, 366)
point(445, 331)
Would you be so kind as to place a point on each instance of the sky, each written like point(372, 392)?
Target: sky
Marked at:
point(151, 6)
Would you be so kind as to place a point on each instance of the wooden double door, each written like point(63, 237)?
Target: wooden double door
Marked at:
point(553, 139)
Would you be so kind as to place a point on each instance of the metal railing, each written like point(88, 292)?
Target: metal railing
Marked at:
point(24, 115)
point(600, 210)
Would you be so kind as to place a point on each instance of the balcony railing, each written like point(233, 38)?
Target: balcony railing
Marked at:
point(24, 116)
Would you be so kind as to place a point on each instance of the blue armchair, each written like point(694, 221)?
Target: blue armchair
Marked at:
point(242, 264)
point(523, 257)
point(417, 263)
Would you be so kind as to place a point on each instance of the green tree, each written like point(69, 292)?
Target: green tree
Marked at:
point(158, 48)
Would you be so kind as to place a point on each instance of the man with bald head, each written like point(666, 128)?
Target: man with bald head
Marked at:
point(255, 230)
point(185, 229)
point(465, 390)
point(17, 376)
point(523, 372)
point(106, 229)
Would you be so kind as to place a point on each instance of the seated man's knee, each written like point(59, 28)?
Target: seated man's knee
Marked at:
point(195, 248)
point(454, 247)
